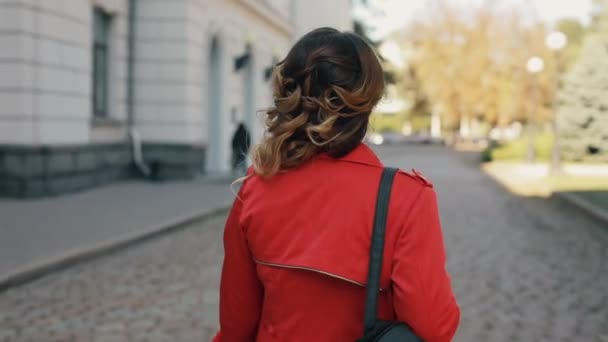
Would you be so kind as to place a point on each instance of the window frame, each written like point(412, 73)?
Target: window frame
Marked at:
point(101, 64)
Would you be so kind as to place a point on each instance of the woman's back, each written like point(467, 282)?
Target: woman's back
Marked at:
point(297, 239)
point(308, 233)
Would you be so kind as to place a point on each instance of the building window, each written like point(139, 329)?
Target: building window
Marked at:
point(101, 68)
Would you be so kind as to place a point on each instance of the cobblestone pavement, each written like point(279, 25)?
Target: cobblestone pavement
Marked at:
point(161, 290)
point(523, 270)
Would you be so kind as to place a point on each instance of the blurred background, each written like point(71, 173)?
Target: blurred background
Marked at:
point(119, 120)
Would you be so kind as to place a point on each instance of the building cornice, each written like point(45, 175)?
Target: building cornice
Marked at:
point(268, 13)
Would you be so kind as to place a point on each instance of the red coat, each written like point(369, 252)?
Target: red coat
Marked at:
point(297, 254)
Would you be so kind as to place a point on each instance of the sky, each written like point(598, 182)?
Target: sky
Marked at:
point(397, 13)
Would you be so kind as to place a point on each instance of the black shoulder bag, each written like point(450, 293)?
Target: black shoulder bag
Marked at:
point(375, 329)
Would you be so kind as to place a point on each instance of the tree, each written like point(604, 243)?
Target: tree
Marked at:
point(575, 32)
point(471, 64)
point(583, 104)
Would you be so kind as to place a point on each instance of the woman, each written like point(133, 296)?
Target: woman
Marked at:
point(298, 236)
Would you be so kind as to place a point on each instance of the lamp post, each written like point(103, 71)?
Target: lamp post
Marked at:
point(556, 41)
point(534, 66)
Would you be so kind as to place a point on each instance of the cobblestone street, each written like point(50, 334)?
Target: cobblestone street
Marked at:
point(523, 270)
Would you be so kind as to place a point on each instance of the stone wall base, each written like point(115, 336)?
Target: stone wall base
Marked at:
point(38, 171)
point(174, 161)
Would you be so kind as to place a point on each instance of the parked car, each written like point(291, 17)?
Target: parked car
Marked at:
point(393, 138)
point(375, 139)
point(427, 139)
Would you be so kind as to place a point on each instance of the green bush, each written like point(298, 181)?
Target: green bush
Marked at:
point(518, 149)
point(387, 122)
point(394, 122)
point(486, 155)
point(420, 123)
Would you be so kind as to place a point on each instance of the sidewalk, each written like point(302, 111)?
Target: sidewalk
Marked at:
point(40, 235)
point(535, 180)
point(593, 203)
point(583, 186)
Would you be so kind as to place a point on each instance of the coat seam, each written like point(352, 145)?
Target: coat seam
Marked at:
point(311, 269)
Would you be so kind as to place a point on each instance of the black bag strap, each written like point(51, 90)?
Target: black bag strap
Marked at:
point(377, 247)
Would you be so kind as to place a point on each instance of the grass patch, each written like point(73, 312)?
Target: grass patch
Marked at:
point(533, 179)
point(576, 183)
point(518, 149)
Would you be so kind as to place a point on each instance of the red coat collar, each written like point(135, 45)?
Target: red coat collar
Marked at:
point(362, 154)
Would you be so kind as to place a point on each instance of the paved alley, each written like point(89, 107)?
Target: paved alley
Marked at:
point(523, 270)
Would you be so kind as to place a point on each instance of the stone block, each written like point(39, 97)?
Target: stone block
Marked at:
point(153, 152)
point(109, 175)
point(33, 188)
point(112, 156)
point(58, 185)
point(124, 156)
point(35, 172)
point(71, 183)
point(11, 187)
point(83, 181)
point(174, 161)
point(13, 164)
point(172, 171)
point(86, 160)
point(34, 164)
point(60, 162)
point(174, 154)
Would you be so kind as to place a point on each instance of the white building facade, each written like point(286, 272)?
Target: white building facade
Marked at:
point(80, 80)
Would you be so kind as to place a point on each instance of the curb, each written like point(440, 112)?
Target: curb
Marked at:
point(37, 270)
point(569, 198)
point(583, 205)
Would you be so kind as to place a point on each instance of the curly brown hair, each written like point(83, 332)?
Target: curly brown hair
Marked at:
point(324, 92)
